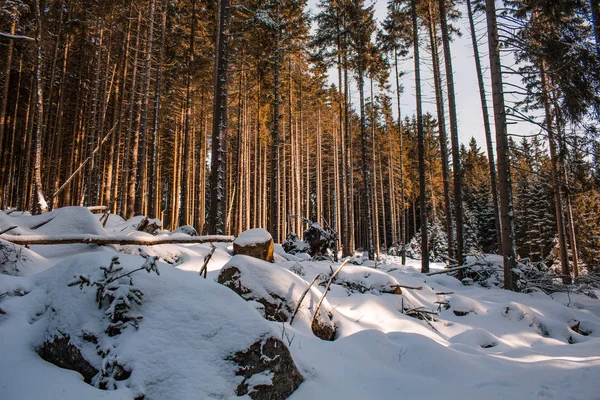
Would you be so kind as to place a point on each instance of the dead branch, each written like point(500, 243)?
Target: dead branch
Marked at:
point(10, 228)
point(97, 208)
point(17, 37)
point(449, 270)
point(409, 287)
point(302, 298)
point(121, 240)
point(207, 258)
point(326, 290)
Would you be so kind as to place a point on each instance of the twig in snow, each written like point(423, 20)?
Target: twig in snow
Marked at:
point(207, 258)
point(302, 298)
point(8, 229)
point(326, 290)
point(445, 271)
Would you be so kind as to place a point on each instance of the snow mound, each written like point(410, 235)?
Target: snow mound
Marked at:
point(63, 221)
point(183, 340)
point(20, 261)
point(278, 290)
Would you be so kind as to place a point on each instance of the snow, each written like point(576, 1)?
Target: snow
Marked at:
point(252, 237)
point(498, 344)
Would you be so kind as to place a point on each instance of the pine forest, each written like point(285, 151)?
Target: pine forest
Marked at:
point(227, 115)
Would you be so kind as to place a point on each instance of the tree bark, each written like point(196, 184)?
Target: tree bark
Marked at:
point(3, 121)
point(42, 206)
point(503, 153)
point(442, 131)
point(218, 170)
point(486, 127)
point(421, 145)
point(456, 168)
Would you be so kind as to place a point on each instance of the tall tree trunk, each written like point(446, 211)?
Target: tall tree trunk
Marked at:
point(216, 224)
point(183, 202)
point(595, 7)
point(402, 224)
point(556, 180)
point(437, 78)
point(153, 208)
point(274, 217)
point(486, 127)
point(366, 170)
point(503, 153)
point(142, 170)
point(3, 121)
point(374, 198)
point(131, 145)
point(421, 145)
point(41, 206)
point(458, 206)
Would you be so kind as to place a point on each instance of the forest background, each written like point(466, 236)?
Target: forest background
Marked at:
point(231, 116)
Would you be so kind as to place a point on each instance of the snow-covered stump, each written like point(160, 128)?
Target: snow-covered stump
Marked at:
point(256, 243)
point(279, 291)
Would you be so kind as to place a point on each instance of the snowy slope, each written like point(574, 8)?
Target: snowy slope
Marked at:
point(489, 343)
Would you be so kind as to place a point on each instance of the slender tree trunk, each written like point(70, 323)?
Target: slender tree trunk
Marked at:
point(142, 172)
point(153, 208)
point(217, 224)
point(486, 126)
point(503, 153)
point(3, 121)
point(456, 168)
point(595, 6)
point(374, 199)
point(442, 131)
point(41, 206)
point(274, 224)
point(183, 204)
point(401, 161)
point(421, 145)
point(131, 145)
point(556, 180)
point(366, 170)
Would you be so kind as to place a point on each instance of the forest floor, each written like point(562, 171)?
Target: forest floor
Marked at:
point(474, 342)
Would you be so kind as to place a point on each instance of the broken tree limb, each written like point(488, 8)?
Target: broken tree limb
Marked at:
point(16, 37)
point(448, 270)
point(84, 162)
point(10, 228)
point(97, 208)
point(409, 287)
point(121, 240)
point(207, 258)
point(326, 290)
point(302, 299)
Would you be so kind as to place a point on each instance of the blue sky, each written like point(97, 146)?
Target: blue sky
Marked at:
point(470, 120)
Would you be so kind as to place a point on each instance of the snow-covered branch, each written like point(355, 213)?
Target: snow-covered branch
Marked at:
point(104, 240)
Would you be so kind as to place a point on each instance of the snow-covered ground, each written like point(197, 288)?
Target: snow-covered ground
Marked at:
point(481, 343)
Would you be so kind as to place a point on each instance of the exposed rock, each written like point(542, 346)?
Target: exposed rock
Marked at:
point(279, 291)
point(186, 229)
point(256, 243)
point(268, 369)
point(149, 226)
point(62, 353)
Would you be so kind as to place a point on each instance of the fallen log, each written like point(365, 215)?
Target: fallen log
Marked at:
point(104, 240)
